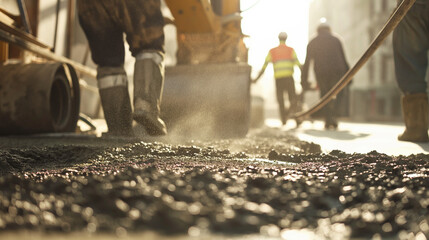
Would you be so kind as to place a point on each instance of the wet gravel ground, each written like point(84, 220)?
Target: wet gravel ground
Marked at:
point(269, 183)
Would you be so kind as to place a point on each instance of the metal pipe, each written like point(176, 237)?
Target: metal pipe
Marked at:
point(38, 98)
point(57, 16)
point(391, 24)
point(43, 52)
point(24, 15)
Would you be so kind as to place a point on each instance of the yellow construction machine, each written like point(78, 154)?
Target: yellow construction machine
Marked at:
point(208, 91)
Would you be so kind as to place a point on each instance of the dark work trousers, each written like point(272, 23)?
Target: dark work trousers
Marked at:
point(105, 23)
point(283, 85)
point(410, 48)
point(330, 111)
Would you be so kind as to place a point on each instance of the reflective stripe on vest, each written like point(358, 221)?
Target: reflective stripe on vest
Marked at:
point(283, 68)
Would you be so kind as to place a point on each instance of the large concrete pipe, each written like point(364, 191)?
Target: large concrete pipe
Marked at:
point(38, 98)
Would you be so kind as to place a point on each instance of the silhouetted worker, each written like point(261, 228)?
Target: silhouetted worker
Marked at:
point(104, 23)
point(410, 47)
point(330, 64)
point(283, 59)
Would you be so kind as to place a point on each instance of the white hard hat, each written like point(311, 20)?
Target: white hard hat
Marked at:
point(323, 24)
point(283, 36)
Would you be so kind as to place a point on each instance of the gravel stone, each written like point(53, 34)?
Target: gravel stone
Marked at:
point(269, 183)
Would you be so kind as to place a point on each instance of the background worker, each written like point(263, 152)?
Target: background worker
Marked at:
point(104, 23)
point(283, 59)
point(330, 64)
point(410, 49)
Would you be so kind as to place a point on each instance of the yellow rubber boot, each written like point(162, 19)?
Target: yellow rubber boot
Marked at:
point(415, 113)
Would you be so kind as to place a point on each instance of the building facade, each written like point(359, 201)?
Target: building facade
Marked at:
point(374, 95)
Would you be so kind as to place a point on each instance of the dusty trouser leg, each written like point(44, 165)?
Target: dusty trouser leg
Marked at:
point(411, 45)
point(115, 100)
point(280, 89)
point(290, 87)
point(330, 115)
point(329, 111)
point(293, 98)
point(105, 38)
point(143, 24)
point(148, 86)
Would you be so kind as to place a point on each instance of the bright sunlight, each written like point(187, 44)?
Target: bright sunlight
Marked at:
point(262, 21)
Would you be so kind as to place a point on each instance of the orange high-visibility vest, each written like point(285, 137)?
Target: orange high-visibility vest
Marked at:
point(284, 59)
point(282, 52)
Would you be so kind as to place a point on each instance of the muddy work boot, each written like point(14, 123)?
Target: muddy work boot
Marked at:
point(116, 104)
point(331, 125)
point(117, 111)
point(284, 114)
point(331, 121)
point(415, 113)
point(148, 86)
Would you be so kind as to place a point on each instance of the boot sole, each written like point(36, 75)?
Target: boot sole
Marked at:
point(409, 139)
point(152, 128)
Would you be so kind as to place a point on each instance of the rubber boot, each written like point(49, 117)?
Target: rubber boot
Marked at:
point(148, 86)
point(415, 112)
point(330, 116)
point(284, 116)
point(117, 110)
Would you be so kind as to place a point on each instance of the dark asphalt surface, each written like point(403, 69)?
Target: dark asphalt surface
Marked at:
point(269, 183)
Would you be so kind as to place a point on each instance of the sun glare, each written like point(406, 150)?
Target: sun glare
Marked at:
point(263, 21)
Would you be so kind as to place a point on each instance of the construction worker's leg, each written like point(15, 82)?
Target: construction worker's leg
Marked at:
point(293, 99)
point(146, 31)
point(105, 36)
point(332, 109)
point(329, 108)
point(280, 90)
point(146, 40)
point(410, 49)
point(115, 99)
point(290, 87)
point(148, 85)
point(330, 115)
point(107, 47)
point(410, 45)
point(415, 113)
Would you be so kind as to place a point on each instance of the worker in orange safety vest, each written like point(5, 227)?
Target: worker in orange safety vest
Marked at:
point(284, 60)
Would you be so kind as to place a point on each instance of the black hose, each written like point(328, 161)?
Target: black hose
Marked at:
point(88, 121)
point(391, 24)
